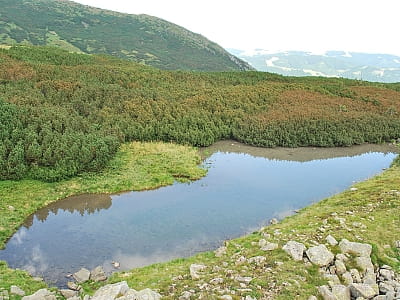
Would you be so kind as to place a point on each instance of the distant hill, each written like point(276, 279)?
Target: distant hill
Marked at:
point(353, 65)
point(140, 38)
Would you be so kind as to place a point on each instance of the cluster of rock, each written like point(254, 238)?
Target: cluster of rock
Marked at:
point(120, 290)
point(350, 274)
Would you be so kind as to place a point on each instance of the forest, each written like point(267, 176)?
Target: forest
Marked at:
point(65, 113)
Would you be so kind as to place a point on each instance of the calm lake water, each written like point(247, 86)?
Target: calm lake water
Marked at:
point(245, 187)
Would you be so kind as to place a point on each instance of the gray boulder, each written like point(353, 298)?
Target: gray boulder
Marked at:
point(147, 294)
point(331, 240)
point(326, 293)
point(82, 275)
point(98, 274)
point(320, 255)
point(111, 291)
point(354, 248)
point(42, 294)
point(341, 292)
point(68, 293)
point(364, 263)
point(363, 290)
point(295, 250)
point(269, 246)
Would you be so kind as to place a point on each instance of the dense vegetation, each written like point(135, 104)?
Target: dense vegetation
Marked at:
point(64, 113)
point(140, 38)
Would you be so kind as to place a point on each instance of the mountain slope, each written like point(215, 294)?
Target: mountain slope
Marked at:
point(353, 65)
point(141, 38)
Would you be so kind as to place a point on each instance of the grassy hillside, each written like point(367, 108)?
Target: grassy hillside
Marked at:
point(140, 38)
point(64, 113)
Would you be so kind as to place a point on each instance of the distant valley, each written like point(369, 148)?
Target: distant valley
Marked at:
point(353, 65)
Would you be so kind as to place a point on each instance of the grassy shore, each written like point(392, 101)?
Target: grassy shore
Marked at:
point(369, 213)
point(137, 166)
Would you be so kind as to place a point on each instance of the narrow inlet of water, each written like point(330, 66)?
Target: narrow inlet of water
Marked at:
point(244, 188)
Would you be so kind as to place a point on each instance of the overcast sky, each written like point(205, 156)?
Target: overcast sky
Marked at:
point(312, 25)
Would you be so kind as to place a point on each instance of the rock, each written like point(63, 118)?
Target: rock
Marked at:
point(246, 280)
point(73, 286)
point(365, 264)
point(347, 278)
point(220, 251)
point(326, 293)
point(295, 250)
point(82, 275)
point(68, 293)
point(269, 246)
point(258, 260)
point(262, 243)
point(249, 298)
point(98, 274)
point(355, 275)
point(341, 292)
point(386, 274)
point(312, 298)
point(385, 288)
point(185, 295)
point(147, 294)
point(225, 297)
point(111, 291)
point(369, 278)
point(354, 248)
point(332, 279)
point(397, 244)
point(340, 267)
point(331, 240)
point(16, 290)
point(273, 221)
point(217, 281)
point(11, 208)
point(116, 264)
point(241, 260)
point(342, 257)
point(320, 255)
point(42, 294)
point(363, 290)
point(195, 269)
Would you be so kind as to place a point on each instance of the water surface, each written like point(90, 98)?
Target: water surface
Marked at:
point(244, 188)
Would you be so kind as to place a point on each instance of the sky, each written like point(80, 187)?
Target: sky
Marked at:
point(369, 26)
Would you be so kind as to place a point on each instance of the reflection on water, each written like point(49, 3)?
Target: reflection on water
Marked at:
point(244, 188)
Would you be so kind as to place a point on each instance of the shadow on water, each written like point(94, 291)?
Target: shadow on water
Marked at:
point(244, 188)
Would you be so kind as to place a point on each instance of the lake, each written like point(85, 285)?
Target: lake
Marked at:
point(245, 187)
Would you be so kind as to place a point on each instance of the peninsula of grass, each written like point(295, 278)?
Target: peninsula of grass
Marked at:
point(137, 166)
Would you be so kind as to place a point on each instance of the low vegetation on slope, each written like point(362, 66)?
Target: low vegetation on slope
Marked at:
point(63, 113)
point(141, 38)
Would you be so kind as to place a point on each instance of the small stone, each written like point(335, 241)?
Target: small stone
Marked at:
point(220, 251)
point(312, 298)
point(355, 275)
point(341, 292)
point(354, 248)
point(262, 242)
point(226, 297)
point(363, 290)
point(73, 286)
point(326, 293)
point(241, 260)
point(11, 208)
point(332, 279)
point(397, 244)
point(116, 264)
point(258, 260)
point(386, 274)
point(82, 275)
point(146, 294)
point(273, 221)
point(320, 255)
point(68, 293)
point(16, 290)
point(340, 267)
point(246, 280)
point(98, 274)
point(217, 281)
point(331, 240)
point(353, 189)
point(385, 288)
point(195, 270)
point(185, 295)
point(342, 257)
point(369, 278)
point(347, 278)
point(269, 246)
point(295, 250)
